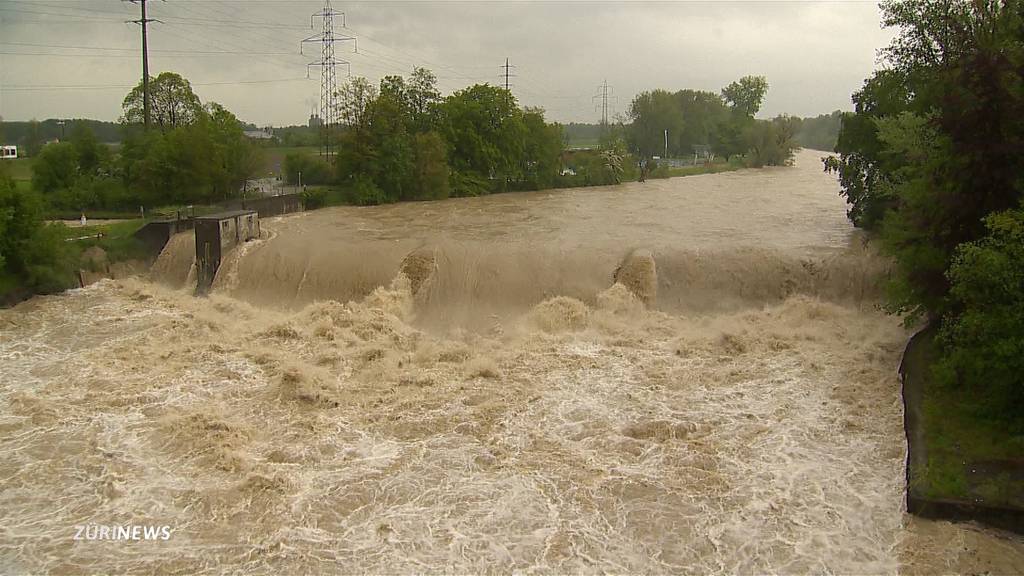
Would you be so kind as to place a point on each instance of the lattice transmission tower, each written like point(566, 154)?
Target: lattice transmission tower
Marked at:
point(606, 94)
point(328, 76)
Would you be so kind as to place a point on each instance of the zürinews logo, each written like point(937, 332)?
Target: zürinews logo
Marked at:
point(124, 532)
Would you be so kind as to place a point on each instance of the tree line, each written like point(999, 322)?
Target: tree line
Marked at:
point(931, 162)
point(682, 122)
point(196, 153)
point(401, 140)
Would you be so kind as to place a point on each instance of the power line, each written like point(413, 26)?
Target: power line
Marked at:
point(327, 64)
point(57, 87)
point(507, 68)
point(143, 21)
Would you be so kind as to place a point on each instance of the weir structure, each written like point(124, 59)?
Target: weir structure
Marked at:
point(215, 235)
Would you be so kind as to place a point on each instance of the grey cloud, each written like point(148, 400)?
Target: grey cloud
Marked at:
point(813, 53)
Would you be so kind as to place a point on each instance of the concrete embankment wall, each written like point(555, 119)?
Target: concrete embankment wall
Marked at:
point(918, 358)
point(156, 234)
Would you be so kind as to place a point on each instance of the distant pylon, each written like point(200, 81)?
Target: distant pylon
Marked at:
point(328, 77)
point(605, 93)
point(507, 74)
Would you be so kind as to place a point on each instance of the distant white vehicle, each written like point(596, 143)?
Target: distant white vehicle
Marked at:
point(8, 152)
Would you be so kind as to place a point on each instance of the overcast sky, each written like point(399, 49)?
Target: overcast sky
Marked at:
point(78, 58)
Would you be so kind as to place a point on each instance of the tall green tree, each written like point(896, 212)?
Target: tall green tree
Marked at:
point(652, 113)
point(485, 133)
point(172, 102)
point(200, 156)
point(746, 94)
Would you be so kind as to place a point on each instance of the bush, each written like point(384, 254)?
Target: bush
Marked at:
point(30, 250)
point(984, 336)
point(468, 184)
point(313, 198)
point(366, 193)
point(314, 169)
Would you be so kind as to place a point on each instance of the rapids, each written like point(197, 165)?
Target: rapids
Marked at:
point(686, 375)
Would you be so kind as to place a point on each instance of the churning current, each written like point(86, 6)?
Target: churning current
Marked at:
point(684, 375)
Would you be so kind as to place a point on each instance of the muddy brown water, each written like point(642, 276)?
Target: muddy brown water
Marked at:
point(686, 375)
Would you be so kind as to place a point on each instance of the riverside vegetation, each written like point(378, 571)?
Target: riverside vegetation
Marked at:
point(930, 163)
point(398, 141)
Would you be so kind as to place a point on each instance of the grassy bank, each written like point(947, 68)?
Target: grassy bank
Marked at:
point(698, 169)
point(115, 238)
point(19, 168)
point(966, 457)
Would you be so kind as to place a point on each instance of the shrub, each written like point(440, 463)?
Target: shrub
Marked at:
point(313, 198)
point(30, 250)
point(314, 169)
point(984, 336)
point(366, 193)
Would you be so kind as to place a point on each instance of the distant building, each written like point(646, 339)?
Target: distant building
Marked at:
point(314, 121)
point(265, 134)
point(8, 152)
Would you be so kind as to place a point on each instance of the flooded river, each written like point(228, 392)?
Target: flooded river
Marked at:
point(685, 375)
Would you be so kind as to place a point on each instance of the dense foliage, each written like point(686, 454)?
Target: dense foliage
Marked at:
point(985, 340)
point(31, 251)
point(686, 122)
point(820, 132)
point(402, 141)
point(31, 136)
point(195, 154)
point(932, 153)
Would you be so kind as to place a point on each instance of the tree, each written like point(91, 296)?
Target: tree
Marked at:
point(313, 168)
point(485, 133)
point(94, 159)
point(985, 341)
point(930, 162)
point(423, 98)
point(31, 250)
point(746, 94)
point(354, 99)
point(652, 113)
point(702, 112)
point(541, 151)
point(205, 160)
point(33, 139)
point(772, 142)
point(820, 132)
point(55, 168)
point(172, 102)
point(431, 176)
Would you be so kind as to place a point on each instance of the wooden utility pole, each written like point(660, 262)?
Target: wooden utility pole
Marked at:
point(143, 21)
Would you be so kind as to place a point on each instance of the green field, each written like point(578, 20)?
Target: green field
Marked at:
point(273, 158)
point(117, 240)
point(19, 169)
point(705, 169)
point(583, 143)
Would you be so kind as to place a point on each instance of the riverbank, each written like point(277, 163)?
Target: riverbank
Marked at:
point(961, 466)
point(91, 252)
point(334, 195)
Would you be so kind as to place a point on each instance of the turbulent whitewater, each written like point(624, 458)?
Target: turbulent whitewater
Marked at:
point(685, 375)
